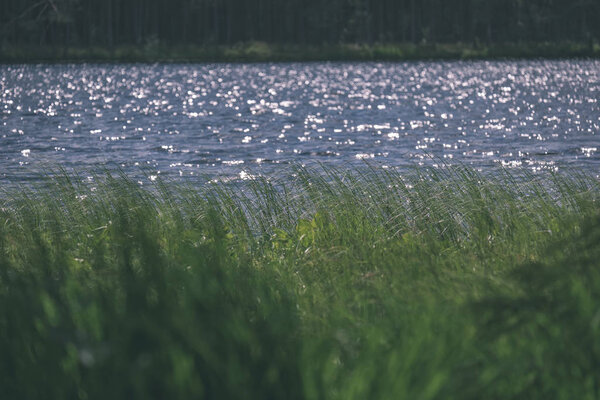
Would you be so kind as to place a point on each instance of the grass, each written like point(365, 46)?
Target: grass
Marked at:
point(431, 284)
point(265, 52)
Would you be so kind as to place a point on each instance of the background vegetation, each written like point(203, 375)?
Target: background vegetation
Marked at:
point(204, 25)
point(437, 284)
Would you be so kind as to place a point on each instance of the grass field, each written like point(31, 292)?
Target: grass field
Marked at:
point(326, 284)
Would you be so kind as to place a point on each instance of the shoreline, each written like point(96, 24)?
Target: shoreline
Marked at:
point(263, 52)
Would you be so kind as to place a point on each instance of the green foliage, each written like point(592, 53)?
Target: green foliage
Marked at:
point(433, 284)
point(265, 52)
point(259, 30)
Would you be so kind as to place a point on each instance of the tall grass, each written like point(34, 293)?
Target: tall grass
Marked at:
point(433, 284)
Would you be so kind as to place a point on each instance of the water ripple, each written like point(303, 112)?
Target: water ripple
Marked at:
point(223, 119)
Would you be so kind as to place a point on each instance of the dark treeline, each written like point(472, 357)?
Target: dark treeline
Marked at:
point(111, 23)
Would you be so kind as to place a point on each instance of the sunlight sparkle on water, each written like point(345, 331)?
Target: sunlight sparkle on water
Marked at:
point(217, 119)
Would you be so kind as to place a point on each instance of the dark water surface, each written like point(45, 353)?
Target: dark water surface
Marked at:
point(232, 120)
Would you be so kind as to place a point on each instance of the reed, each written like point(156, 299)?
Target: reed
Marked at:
point(327, 283)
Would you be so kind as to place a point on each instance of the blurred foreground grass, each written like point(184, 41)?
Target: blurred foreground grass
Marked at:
point(435, 284)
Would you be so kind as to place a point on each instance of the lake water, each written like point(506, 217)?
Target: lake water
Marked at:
point(233, 120)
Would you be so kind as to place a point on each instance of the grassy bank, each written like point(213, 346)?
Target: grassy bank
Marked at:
point(263, 52)
point(435, 284)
